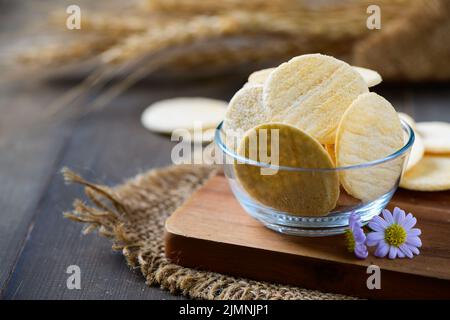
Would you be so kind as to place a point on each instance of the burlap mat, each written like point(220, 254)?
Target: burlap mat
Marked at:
point(133, 216)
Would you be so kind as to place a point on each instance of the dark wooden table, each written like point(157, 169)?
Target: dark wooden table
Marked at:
point(36, 243)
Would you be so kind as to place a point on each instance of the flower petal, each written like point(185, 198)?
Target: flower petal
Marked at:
point(375, 236)
point(361, 251)
point(400, 254)
point(359, 236)
point(409, 222)
point(393, 252)
point(399, 215)
point(382, 250)
point(414, 232)
point(415, 250)
point(388, 217)
point(351, 220)
point(406, 250)
point(375, 226)
point(414, 241)
point(379, 221)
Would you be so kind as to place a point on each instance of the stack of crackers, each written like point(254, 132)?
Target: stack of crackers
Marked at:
point(429, 164)
point(325, 117)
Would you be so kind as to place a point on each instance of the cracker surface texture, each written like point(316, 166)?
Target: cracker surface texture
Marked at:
point(244, 112)
point(436, 136)
point(408, 119)
point(260, 76)
point(331, 151)
point(165, 116)
point(369, 130)
point(371, 77)
point(416, 154)
point(312, 92)
point(418, 148)
point(432, 173)
point(303, 193)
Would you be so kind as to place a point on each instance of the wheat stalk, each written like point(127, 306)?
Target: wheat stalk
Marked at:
point(195, 7)
point(214, 6)
point(108, 23)
point(76, 50)
point(122, 38)
point(233, 23)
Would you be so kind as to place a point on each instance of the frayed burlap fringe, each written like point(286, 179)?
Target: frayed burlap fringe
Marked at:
point(133, 216)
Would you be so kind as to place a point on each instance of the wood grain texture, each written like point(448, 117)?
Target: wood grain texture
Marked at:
point(106, 147)
point(27, 163)
point(223, 238)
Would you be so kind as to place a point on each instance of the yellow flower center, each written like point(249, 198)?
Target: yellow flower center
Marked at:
point(395, 235)
point(350, 240)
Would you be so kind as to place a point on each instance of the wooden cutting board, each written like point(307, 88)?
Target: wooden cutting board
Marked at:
point(212, 232)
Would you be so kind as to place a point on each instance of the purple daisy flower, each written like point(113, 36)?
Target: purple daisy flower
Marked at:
point(394, 235)
point(355, 237)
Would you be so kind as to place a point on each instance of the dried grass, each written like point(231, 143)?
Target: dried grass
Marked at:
point(160, 24)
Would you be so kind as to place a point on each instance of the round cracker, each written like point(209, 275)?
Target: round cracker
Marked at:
point(244, 112)
point(165, 116)
point(304, 193)
point(418, 149)
point(416, 154)
point(432, 173)
point(408, 119)
point(371, 77)
point(330, 149)
point(369, 130)
point(312, 92)
point(436, 136)
point(260, 76)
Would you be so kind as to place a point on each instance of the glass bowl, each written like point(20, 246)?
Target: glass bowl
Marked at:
point(336, 221)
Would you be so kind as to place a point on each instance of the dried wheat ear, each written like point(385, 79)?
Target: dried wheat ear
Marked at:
point(178, 23)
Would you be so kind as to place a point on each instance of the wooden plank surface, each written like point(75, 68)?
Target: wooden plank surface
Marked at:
point(224, 238)
point(56, 243)
point(27, 164)
point(106, 147)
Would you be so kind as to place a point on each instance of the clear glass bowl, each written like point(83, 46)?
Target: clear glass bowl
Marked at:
point(336, 221)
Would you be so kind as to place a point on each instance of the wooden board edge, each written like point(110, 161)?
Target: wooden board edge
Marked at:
point(305, 272)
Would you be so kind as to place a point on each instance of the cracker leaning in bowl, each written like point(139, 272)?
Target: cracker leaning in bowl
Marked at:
point(331, 151)
point(418, 149)
point(312, 92)
point(332, 132)
point(408, 119)
point(244, 112)
point(371, 77)
point(298, 193)
point(369, 130)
